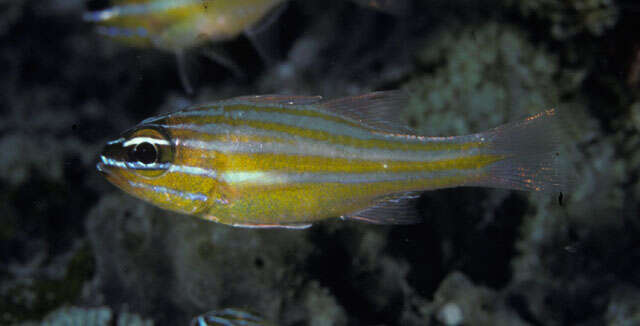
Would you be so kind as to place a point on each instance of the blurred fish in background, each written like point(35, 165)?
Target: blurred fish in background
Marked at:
point(177, 25)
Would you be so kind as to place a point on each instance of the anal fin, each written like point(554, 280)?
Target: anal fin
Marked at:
point(395, 209)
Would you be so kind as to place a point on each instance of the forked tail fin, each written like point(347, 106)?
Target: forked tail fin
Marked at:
point(531, 157)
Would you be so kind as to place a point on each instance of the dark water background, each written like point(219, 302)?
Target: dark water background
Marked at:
point(481, 257)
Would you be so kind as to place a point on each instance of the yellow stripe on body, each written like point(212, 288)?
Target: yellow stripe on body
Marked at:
point(297, 110)
point(265, 162)
point(234, 138)
point(295, 163)
point(319, 135)
point(315, 201)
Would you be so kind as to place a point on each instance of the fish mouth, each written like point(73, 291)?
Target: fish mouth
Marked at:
point(109, 158)
point(101, 168)
point(107, 170)
point(111, 175)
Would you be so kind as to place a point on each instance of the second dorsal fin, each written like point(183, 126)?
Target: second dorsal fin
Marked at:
point(379, 110)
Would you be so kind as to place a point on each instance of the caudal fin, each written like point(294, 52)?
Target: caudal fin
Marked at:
point(532, 158)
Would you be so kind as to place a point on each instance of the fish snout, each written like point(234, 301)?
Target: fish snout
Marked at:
point(113, 155)
point(101, 168)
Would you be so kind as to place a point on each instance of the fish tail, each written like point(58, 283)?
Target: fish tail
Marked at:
point(531, 155)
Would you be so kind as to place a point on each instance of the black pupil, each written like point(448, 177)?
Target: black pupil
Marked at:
point(144, 153)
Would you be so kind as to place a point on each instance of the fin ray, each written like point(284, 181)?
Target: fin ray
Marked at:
point(395, 209)
point(378, 110)
point(532, 158)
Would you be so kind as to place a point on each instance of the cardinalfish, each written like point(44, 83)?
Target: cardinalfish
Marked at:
point(287, 161)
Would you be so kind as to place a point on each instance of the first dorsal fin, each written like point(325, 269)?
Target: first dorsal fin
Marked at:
point(379, 110)
point(280, 99)
point(394, 209)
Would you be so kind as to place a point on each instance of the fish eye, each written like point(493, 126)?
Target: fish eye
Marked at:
point(148, 152)
point(145, 153)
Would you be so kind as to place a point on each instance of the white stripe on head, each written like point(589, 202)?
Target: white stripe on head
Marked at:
point(140, 140)
point(117, 141)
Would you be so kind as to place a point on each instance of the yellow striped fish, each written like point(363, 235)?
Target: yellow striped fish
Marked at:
point(283, 161)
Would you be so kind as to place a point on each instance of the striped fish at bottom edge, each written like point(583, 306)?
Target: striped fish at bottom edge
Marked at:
point(230, 317)
point(287, 161)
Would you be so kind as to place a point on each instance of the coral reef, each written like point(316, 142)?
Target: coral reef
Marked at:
point(458, 301)
point(483, 76)
point(201, 264)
